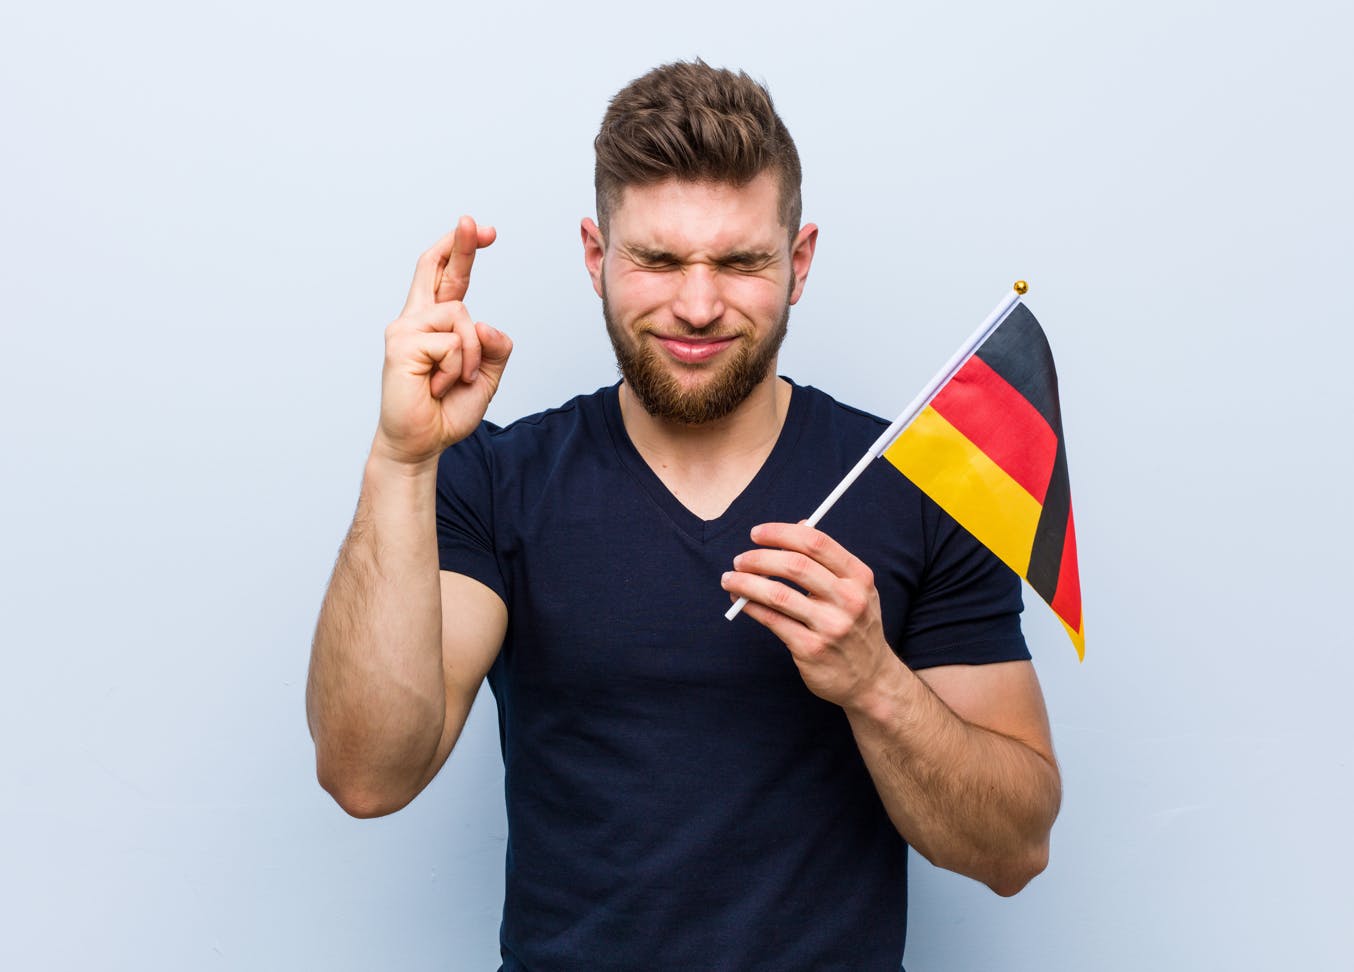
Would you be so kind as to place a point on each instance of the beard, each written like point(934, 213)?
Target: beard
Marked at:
point(662, 394)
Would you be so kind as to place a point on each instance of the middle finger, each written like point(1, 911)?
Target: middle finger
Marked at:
point(791, 565)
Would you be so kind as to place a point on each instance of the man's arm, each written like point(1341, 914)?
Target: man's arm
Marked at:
point(961, 755)
point(400, 650)
point(974, 791)
point(401, 647)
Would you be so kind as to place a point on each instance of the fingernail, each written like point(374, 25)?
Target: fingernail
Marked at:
point(473, 375)
point(724, 581)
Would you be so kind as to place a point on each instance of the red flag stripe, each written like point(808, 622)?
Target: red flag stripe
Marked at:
point(1002, 423)
point(1066, 601)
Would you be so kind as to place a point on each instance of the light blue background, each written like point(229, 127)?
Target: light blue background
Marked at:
point(210, 211)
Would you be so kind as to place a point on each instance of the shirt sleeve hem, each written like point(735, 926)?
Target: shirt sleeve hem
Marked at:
point(972, 653)
point(482, 568)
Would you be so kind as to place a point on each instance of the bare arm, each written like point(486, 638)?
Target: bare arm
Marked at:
point(401, 647)
point(977, 793)
point(961, 755)
point(399, 652)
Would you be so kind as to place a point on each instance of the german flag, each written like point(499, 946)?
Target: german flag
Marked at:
point(989, 450)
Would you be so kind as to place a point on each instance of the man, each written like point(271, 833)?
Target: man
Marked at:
point(682, 792)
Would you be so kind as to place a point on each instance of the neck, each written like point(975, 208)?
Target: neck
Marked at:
point(706, 466)
point(753, 425)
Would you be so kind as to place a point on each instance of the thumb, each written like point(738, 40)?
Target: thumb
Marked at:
point(495, 346)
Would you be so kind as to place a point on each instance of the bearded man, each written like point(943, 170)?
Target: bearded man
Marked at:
point(682, 792)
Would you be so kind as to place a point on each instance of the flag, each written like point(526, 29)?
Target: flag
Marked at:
point(989, 449)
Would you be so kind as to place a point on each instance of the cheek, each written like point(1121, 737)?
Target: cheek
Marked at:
point(756, 297)
point(636, 294)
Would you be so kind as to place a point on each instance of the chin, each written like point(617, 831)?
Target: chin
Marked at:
point(693, 394)
point(687, 398)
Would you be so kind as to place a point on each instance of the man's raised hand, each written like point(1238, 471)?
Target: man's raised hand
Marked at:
point(441, 367)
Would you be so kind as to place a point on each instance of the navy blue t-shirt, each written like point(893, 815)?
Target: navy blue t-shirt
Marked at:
point(676, 798)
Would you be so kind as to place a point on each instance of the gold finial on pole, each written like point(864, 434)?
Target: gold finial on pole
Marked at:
point(1021, 287)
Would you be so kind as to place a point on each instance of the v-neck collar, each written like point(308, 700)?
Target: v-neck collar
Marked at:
point(688, 522)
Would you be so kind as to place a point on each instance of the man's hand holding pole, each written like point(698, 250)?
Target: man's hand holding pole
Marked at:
point(975, 795)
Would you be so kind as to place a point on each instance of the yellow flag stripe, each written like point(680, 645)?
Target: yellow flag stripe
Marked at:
point(969, 486)
point(1078, 637)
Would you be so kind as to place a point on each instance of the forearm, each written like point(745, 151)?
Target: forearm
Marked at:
point(968, 799)
point(376, 697)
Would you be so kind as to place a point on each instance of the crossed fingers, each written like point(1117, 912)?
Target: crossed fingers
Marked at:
point(443, 271)
point(434, 317)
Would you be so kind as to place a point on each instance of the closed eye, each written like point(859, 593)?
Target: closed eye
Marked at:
point(660, 260)
point(747, 262)
point(652, 259)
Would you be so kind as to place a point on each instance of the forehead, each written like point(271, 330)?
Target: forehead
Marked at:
point(682, 217)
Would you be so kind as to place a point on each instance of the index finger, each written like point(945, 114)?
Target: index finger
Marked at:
point(812, 543)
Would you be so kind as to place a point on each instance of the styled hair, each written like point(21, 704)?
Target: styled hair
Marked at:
point(689, 121)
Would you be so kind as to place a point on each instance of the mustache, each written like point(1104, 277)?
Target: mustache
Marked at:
point(685, 333)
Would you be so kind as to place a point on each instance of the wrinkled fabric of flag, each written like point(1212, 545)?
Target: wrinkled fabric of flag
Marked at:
point(989, 450)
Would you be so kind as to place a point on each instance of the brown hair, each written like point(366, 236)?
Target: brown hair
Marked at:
point(690, 121)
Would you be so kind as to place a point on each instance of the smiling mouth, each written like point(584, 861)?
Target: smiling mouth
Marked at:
point(694, 350)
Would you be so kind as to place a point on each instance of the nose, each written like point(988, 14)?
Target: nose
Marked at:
point(698, 301)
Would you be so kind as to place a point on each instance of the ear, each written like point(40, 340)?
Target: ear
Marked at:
point(801, 256)
point(594, 250)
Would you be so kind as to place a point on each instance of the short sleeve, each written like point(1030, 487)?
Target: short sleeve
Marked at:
point(967, 608)
point(465, 511)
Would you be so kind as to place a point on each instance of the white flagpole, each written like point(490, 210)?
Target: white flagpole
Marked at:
point(914, 408)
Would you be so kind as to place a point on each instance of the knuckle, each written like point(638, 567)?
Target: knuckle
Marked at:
point(852, 598)
point(813, 648)
point(837, 627)
point(817, 542)
point(798, 567)
point(781, 596)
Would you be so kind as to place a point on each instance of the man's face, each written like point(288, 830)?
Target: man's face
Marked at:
point(696, 281)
